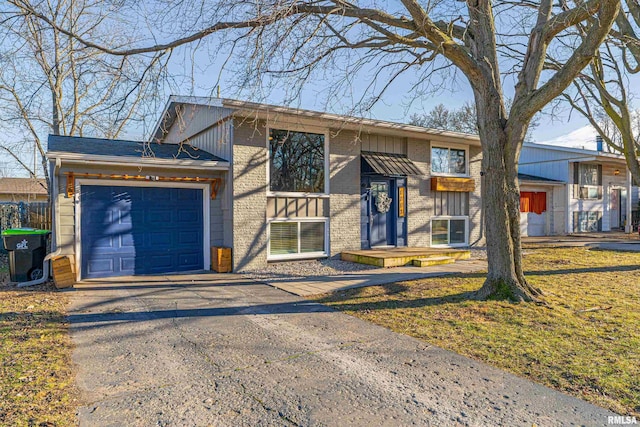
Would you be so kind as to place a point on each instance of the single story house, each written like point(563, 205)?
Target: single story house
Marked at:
point(571, 190)
point(27, 190)
point(272, 183)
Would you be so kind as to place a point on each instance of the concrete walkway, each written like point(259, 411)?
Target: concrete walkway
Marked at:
point(312, 285)
point(221, 350)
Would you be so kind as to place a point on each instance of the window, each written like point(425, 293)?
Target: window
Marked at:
point(589, 181)
point(296, 161)
point(450, 161)
point(587, 221)
point(449, 232)
point(533, 202)
point(588, 174)
point(299, 239)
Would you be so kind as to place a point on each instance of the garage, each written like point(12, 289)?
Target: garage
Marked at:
point(137, 230)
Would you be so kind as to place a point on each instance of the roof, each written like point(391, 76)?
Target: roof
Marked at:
point(539, 179)
point(598, 155)
point(258, 110)
point(23, 186)
point(124, 148)
point(390, 164)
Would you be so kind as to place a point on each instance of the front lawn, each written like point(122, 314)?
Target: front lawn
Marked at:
point(36, 381)
point(585, 343)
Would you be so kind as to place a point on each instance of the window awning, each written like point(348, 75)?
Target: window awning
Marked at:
point(388, 164)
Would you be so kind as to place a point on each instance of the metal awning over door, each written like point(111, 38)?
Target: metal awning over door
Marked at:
point(388, 164)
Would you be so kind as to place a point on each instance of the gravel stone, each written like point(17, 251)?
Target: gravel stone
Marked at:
point(302, 269)
point(479, 253)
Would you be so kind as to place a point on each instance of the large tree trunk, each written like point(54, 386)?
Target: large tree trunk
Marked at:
point(501, 204)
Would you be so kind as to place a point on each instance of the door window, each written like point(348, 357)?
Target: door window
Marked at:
point(378, 188)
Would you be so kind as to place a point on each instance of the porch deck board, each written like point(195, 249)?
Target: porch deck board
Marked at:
point(396, 257)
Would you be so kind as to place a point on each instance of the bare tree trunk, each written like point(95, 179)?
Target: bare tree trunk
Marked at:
point(501, 203)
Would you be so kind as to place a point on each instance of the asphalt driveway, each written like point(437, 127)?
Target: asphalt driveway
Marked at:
point(220, 350)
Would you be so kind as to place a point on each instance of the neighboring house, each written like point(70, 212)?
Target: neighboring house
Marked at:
point(542, 205)
point(583, 190)
point(273, 183)
point(23, 190)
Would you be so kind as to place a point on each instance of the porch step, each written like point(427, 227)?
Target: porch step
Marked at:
point(397, 257)
point(437, 260)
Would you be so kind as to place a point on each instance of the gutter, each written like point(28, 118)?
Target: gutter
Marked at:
point(139, 161)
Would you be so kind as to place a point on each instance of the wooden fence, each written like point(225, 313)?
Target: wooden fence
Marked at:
point(34, 215)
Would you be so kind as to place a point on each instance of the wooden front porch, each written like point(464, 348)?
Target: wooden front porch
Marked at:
point(397, 257)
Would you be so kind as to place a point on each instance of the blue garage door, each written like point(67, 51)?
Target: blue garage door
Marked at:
point(140, 230)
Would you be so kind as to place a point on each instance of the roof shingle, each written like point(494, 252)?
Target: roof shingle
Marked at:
point(123, 148)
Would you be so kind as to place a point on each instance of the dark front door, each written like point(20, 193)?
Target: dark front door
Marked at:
point(381, 213)
point(378, 212)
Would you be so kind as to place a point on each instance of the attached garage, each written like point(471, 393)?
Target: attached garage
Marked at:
point(127, 208)
point(540, 199)
point(132, 230)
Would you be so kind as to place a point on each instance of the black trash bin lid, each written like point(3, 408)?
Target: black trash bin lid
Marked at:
point(24, 231)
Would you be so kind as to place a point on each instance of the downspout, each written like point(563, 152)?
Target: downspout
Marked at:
point(44, 278)
point(56, 222)
point(568, 216)
point(628, 227)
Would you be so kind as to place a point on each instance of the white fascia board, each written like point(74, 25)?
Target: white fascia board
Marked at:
point(140, 161)
point(541, 183)
point(581, 159)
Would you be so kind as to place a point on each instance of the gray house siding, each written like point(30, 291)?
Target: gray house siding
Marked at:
point(249, 195)
point(344, 185)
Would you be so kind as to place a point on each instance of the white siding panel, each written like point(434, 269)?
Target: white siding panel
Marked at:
point(216, 140)
point(192, 120)
point(557, 169)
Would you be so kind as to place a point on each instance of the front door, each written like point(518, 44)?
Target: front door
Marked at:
point(382, 220)
point(615, 209)
point(381, 213)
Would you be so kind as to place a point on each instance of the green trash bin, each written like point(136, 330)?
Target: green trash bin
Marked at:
point(27, 248)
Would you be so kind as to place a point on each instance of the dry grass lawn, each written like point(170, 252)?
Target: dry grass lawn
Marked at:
point(585, 343)
point(36, 379)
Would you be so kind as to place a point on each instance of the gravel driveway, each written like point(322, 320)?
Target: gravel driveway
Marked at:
point(225, 351)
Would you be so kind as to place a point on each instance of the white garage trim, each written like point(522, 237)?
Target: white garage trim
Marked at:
point(206, 211)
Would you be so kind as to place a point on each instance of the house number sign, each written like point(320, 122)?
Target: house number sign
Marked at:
point(401, 202)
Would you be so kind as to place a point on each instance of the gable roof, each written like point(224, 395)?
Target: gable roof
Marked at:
point(268, 111)
point(123, 148)
point(23, 186)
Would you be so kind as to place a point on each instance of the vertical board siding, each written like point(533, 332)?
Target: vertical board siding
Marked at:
point(204, 127)
point(450, 203)
point(216, 140)
point(384, 144)
point(297, 207)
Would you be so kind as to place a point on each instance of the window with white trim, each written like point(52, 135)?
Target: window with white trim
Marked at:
point(449, 231)
point(296, 161)
point(448, 161)
point(290, 239)
point(588, 178)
